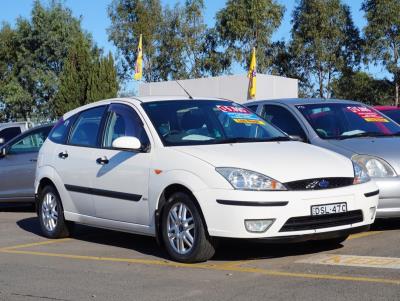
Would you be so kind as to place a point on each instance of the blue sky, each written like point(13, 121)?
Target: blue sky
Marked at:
point(95, 19)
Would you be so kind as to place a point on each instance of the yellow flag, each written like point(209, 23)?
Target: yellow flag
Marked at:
point(139, 61)
point(252, 75)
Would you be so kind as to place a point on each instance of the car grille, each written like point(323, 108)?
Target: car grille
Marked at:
point(322, 221)
point(320, 183)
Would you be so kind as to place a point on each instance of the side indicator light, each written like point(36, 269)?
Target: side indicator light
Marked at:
point(157, 171)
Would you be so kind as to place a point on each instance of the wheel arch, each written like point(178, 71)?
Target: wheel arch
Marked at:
point(163, 199)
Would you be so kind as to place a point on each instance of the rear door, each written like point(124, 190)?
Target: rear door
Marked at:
point(17, 168)
point(74, 160)
point(120, 183)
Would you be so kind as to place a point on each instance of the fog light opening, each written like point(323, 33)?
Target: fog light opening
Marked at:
point(372, 210)
point(258, 225)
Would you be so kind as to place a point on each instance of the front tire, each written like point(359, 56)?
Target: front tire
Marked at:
point(51, 214)
point(183, 231)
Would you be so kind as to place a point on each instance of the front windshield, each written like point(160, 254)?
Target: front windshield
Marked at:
point(195, 122)
point(342, 121)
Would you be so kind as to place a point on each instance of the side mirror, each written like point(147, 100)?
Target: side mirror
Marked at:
point(297, 138)
point(127, 143)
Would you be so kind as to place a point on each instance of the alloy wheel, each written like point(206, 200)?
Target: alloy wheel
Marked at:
point(181, 228)
point(49, 212)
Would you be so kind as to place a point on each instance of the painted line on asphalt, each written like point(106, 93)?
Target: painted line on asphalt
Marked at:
point(363, 234)
point(41, 243)
point(226, 268)
point(354, 261)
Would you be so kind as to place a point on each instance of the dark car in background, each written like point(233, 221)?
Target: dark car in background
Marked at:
point(18, 159)
point(392, 112)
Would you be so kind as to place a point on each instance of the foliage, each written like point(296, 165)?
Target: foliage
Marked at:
point(361, 86)
point(87, 77)
point(243, 24)
point(382, 36)
point(325, 39)
point(32, 58)
point(176, 42)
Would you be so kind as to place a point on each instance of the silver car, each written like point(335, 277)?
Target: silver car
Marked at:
point(350, 128)
point(18, 163)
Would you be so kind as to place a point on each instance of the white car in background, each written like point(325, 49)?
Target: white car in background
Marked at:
point(12, 129)
point(189, 171)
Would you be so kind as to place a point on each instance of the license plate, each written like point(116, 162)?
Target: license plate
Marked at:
point(328, 209)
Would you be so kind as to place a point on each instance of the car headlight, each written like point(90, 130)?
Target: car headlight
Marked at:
point(243, 179)
point(376, 167)
point(360, 174)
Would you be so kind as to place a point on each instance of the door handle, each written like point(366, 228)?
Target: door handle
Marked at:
point(102, 160)
point(63, 155)
point(33, 160)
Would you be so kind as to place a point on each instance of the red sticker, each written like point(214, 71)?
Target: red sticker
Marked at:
point(231, 109)
point(367, 114)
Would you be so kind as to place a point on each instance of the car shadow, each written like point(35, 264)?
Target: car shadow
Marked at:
point(19, 207)
point(228, 249)
point(139, 243)
point(386, 224)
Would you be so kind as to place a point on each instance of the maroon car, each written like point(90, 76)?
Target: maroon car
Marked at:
point(391, 111)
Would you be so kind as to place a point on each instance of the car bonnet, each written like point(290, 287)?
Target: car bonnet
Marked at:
point(283, 161)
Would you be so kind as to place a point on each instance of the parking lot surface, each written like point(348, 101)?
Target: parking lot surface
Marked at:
point(96, 264)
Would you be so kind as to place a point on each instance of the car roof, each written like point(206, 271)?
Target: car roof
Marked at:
point(387, 108)
point(303, 101)
point(139, 99)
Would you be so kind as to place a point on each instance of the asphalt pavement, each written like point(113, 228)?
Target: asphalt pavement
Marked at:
point(96, 264)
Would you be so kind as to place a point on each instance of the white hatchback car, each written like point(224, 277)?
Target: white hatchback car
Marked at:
point(188, 171)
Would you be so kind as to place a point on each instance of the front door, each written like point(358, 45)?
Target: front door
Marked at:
point(120, 184)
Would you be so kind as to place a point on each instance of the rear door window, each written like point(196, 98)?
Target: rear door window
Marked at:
point(85, 131)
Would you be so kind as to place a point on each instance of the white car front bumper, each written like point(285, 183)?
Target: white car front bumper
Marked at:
point(225, 211)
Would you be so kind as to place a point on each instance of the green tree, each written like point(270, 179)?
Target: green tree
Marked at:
point(102, 80)
point(325, 40)
point(87, 77)
point(176, 42)
point(285, 63)
point(243, 24)
point(129, 19)
point(382, 36)
point(38, 48)
point(363, 87)
point(73, 88)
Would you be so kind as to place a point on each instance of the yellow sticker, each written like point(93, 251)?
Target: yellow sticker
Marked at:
point(249, 121)
point(377, 119)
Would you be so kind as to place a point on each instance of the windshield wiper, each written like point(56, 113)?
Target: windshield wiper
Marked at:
point(243, 140)
point(364, 134)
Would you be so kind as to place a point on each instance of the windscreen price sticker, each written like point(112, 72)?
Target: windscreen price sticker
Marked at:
point(241, 115)
point(367, 114)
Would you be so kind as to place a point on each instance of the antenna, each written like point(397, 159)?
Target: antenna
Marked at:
point(188, 94)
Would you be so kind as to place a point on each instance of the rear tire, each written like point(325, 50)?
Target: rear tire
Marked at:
point(51, 214)
point(183, 230)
